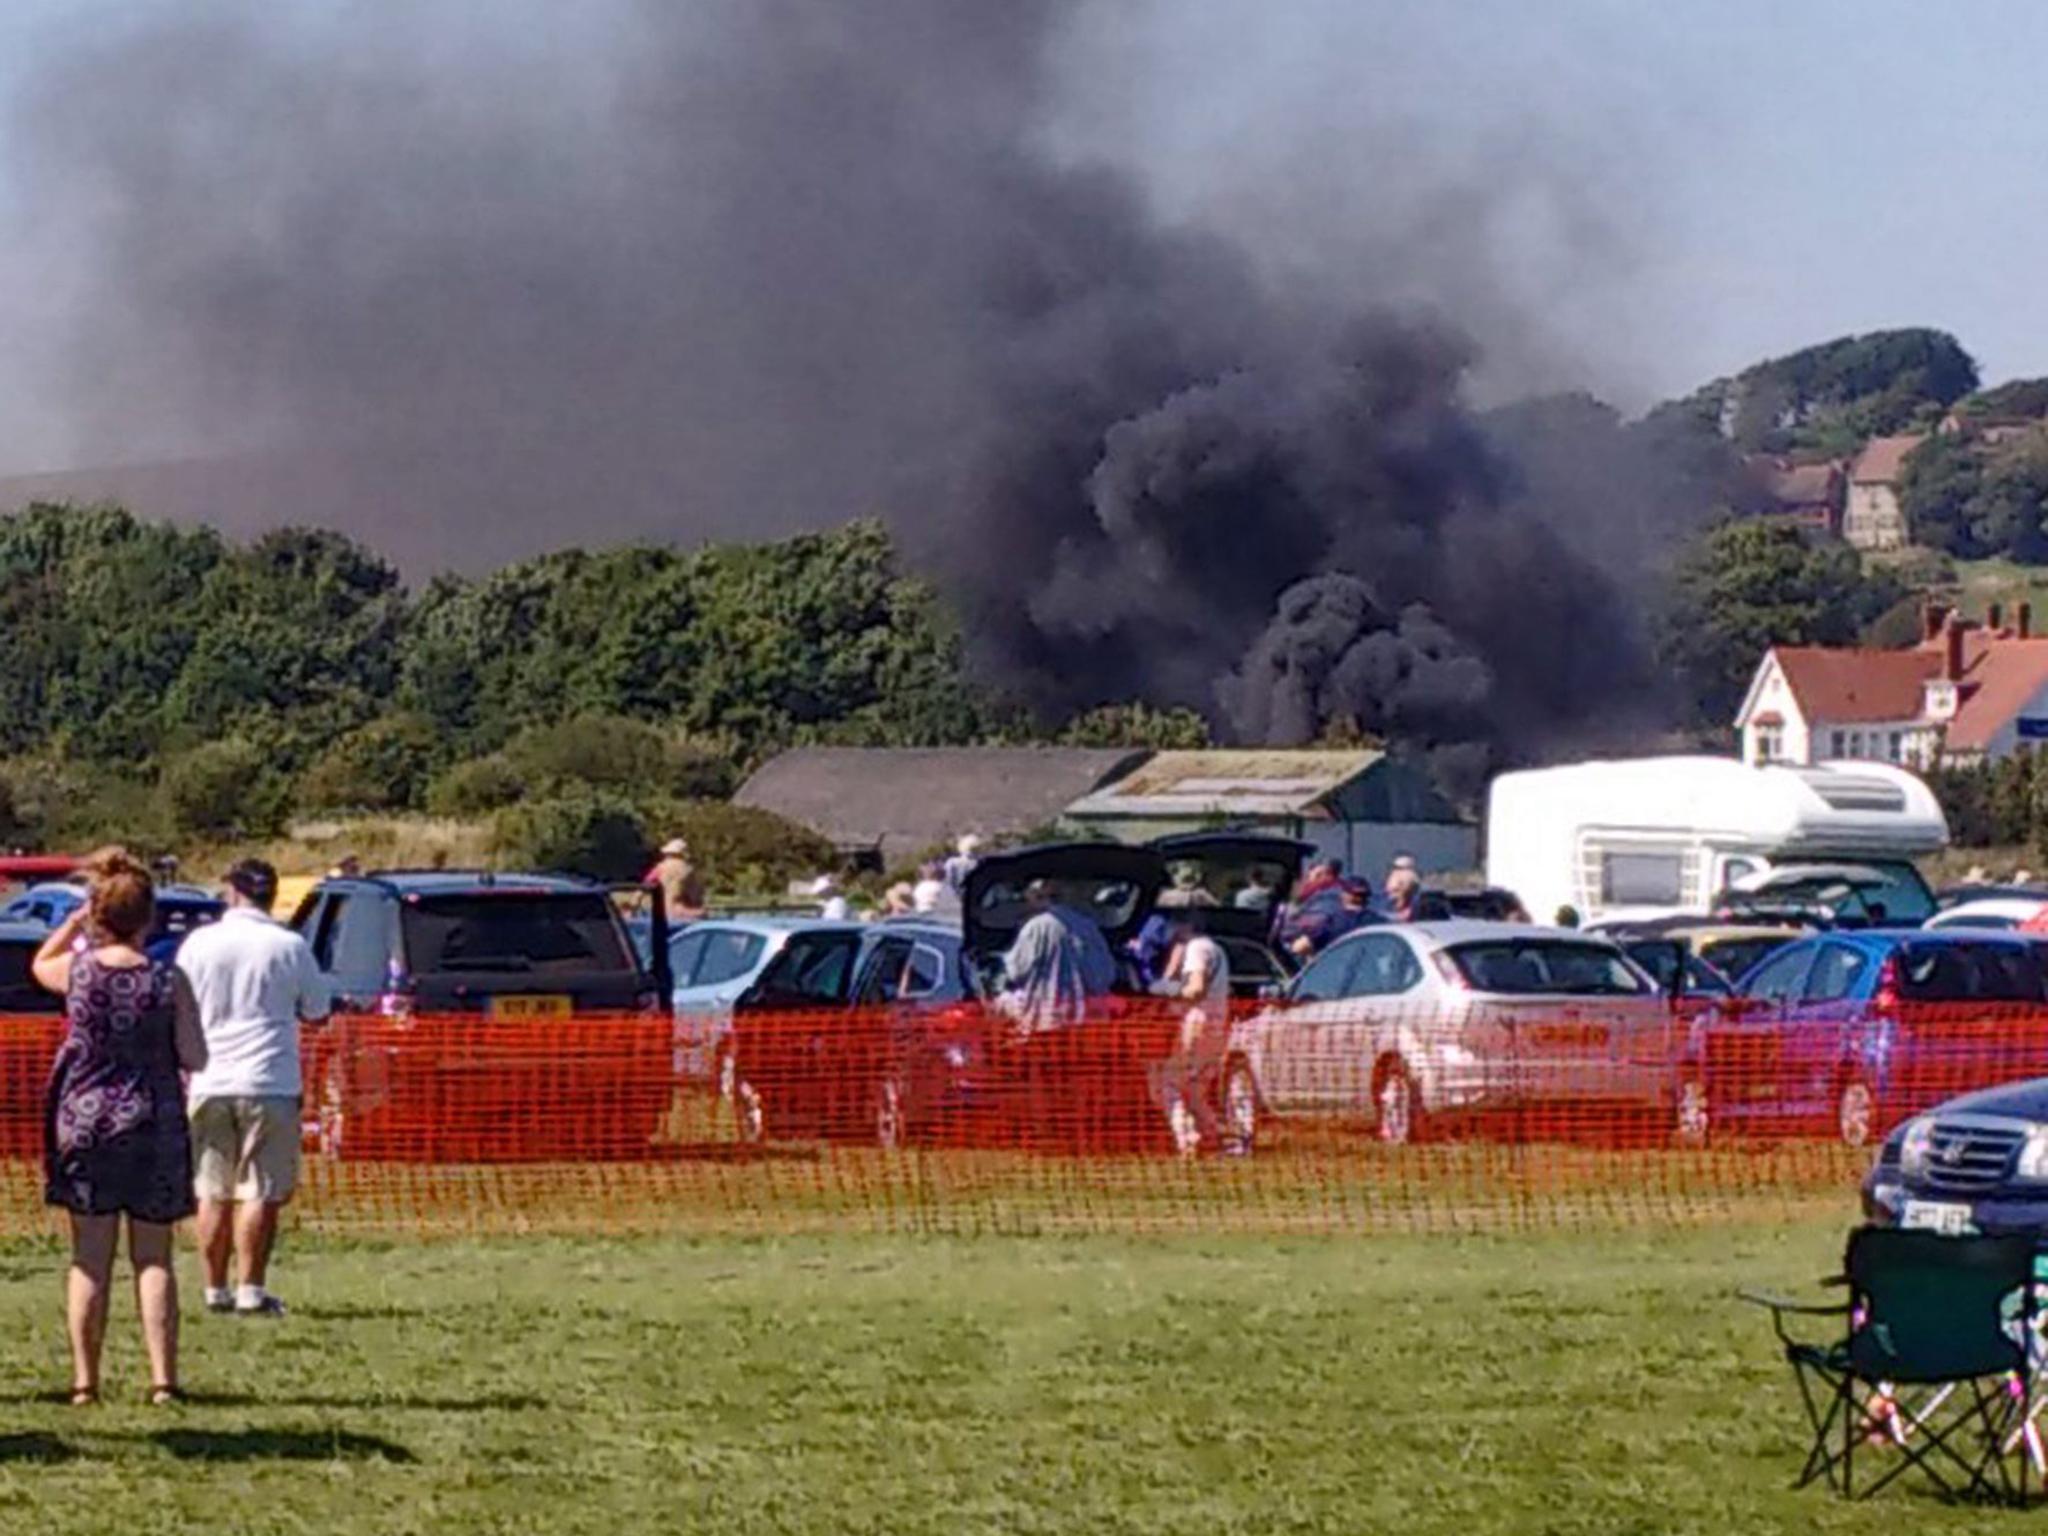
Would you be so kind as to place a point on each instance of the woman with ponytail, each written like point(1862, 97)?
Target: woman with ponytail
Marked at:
point(116, 1142)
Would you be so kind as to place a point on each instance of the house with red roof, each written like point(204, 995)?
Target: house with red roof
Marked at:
point(1965, 693)
point(1874, 517)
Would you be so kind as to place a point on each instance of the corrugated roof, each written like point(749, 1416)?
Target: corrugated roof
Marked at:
point(1245, 783)
point(906, 800)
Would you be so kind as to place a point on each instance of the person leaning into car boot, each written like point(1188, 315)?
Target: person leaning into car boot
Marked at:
point(254, 980)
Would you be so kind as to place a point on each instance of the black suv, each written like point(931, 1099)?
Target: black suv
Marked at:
point(511, 946)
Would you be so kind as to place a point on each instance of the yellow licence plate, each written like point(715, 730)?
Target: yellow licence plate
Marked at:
point(533, 1005)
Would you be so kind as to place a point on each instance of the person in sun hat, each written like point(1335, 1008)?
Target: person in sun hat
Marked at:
point(254, 981)
point(682, 888)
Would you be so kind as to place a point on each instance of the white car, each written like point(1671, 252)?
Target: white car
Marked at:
point(1999, 913)
point(1409, 1021)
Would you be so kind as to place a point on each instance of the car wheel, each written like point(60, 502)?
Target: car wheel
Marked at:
point(1694, 1118)
point(1397, 1105)
point(750, 1118)
point(1240, 1107)
point(1856, 1113)
point(888, 1114)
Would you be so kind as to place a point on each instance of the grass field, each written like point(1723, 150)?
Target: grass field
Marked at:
point(874, 1384)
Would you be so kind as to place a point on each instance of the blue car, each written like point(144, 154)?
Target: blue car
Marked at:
point(1845, 1034)
point(179, 909)
point(711, 963)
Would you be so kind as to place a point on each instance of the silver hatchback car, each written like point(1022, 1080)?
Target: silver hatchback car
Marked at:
point(1407, 1022)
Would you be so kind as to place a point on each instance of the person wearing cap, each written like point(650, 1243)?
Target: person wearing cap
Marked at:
point(682, 888)
point(254, 980)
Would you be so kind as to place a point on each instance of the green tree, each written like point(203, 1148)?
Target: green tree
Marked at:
point(1748, 585)
point(221, 789)
point(381, 766)
point(1137, 724)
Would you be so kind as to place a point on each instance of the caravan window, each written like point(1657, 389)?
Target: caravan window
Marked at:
point(1642, 878)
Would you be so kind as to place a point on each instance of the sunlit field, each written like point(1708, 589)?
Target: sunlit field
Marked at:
point(1589, 1381)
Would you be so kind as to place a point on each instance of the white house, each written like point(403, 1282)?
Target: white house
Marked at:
point(1965, 693)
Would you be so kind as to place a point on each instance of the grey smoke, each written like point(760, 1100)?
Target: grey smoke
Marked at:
point(739, 267)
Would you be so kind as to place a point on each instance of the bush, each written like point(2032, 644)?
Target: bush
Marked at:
point(381, 766)
point(476, 788)
point(741, 848)
point(583, 833)
point(615, 753)
point(221, 789)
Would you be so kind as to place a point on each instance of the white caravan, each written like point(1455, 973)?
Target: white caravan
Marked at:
point(1658, 835)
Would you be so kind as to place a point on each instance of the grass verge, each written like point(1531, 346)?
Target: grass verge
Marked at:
point(1561, 1382)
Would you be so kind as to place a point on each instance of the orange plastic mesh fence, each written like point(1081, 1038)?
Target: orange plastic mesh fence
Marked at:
point(1318, 1118)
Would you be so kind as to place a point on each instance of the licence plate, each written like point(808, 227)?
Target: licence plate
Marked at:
point(1568, 1034)
point(1949, 1217)
point(531, 1005)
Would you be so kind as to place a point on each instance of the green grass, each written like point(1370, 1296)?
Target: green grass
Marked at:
point(1565, 1382)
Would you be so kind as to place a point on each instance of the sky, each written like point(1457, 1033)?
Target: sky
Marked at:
point(1627, 197)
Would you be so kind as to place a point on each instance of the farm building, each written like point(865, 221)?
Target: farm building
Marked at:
point(884, 807)
point(1361, 806)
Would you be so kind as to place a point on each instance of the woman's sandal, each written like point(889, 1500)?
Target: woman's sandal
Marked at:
point(165, 1397)
point(85, 1397)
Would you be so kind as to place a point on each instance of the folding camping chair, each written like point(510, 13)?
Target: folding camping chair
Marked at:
point(1950, 1315)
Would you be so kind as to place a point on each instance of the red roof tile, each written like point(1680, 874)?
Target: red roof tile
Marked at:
point(1856, 685)
point(1883, 458)
point(2000, 675)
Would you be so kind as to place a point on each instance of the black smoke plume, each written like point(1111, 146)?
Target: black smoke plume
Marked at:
point(615, 271)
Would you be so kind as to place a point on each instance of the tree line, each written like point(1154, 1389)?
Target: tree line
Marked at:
point(166, 684)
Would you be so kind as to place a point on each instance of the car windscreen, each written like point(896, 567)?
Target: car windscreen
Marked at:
point(1545, 968)
point(1972, 973)
point(1896, 897)
point(1737, 957)
point(537, 933)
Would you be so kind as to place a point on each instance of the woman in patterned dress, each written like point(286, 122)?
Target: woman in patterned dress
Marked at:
point(115, 1138)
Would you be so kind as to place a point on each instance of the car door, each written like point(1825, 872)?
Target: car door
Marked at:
point(1739, 1057)
point(1295, 1072)
point(1381, 993)
point(1815, 1041)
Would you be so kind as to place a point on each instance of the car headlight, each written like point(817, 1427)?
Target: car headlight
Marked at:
point(2033, 1161)
point(1915, 1145)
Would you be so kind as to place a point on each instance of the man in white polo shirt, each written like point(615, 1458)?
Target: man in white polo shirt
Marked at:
point(255, 980)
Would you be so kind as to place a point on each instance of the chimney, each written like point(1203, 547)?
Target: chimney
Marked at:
point(1933, 616)
point(1952, 662)
point(2024, 619)
point(1991, 617)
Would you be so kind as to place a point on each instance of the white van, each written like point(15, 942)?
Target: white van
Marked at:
point(1658, 835)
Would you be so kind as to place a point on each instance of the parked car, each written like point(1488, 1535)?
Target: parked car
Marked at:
point(509, 946)
point(2000, 914)
point(885, 1031)
point(1846, 1033)
point(1955, 895)
point(1678, 972)
point(19, 991)
point(425, 966)
point(1730, 949)
point(1976, 1163)
point(712, 962)
point(1244, 881)
point(1410, 1022)
point(1864, 895)
point(179, 909)
point(812, 1039)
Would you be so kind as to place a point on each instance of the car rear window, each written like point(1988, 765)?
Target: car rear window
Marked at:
point(1545, 968)
point(1973, 973)
point(542, 934)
